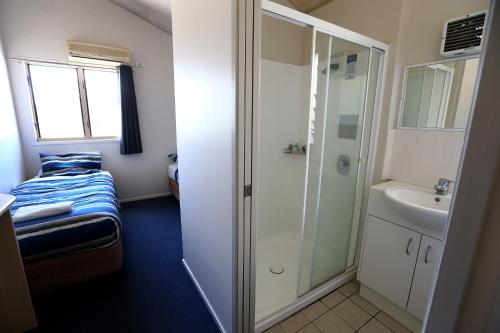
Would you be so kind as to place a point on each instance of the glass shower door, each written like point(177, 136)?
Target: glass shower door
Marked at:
point(280, 161)
point(335, 175)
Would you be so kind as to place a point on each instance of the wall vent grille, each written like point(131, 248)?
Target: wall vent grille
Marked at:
point(463, 35)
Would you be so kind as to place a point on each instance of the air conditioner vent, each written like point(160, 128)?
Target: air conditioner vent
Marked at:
point(81, 51)
point(463, 35)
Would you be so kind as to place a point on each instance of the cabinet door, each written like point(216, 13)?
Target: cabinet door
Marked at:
point(388, 259)
point(426, 268)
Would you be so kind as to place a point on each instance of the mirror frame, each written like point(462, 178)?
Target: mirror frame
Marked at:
point(403, 92)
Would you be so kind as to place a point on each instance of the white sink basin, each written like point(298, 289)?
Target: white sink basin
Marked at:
point(422, 207)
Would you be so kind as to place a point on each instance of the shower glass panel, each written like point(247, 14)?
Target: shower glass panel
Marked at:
point(283, 118)
point(340, 69)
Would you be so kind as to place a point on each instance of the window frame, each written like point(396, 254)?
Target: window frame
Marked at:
point(82, 90)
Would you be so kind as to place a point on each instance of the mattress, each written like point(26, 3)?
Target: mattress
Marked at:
point(173, 172)
point(93, 223)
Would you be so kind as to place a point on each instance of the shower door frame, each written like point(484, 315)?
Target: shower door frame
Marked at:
point(363, 178)
point(249, 142)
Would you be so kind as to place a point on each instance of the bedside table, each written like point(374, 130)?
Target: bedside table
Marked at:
point(16, 310)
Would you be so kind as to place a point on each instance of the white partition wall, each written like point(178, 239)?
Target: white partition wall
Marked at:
point(204, 48)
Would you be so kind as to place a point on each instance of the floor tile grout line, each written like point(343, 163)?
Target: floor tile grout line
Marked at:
point(397, 321)
point(364, 324)
point(390, 329)
point(345, 322)
point(317, 326)
point(301, 326)
point(358, 307)
point(345, 297)
point(362, 307)
point(373, 316)
point(340, 316)
point(331, 309)
point(334, 314)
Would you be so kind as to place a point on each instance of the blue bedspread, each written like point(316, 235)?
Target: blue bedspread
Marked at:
point(93, 223)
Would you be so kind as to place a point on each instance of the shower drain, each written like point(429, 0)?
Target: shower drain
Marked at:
point(276, 269)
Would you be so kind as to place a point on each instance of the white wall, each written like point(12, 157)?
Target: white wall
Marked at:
point(11, 161)
point(422, 157)
point(205, 90)
point(282, 121)
point(39, 29)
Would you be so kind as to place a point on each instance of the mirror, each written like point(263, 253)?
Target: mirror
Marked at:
point(438, 95)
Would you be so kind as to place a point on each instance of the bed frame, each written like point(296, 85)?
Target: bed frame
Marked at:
point(48, 274)
point(174, 187)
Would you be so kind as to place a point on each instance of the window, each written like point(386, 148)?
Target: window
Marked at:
point(74, 102)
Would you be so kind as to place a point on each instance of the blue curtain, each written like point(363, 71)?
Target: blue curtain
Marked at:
point(131, 134)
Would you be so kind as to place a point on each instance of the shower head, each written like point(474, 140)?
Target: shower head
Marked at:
point(333, 68)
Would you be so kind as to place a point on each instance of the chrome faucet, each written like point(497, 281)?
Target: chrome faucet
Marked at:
point(443, 186)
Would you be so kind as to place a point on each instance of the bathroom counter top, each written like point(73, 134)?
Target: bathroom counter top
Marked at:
point(379, 205)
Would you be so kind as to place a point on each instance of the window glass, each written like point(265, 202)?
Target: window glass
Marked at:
point(75, 102)
point(57, 101)
point(103, 98)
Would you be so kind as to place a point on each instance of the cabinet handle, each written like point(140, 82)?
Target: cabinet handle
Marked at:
point(426, 258)
point(408, 246)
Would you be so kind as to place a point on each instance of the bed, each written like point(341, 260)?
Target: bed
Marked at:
point(173, 179)
point(75, 246)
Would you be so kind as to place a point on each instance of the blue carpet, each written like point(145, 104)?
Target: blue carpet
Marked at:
point(152, 293)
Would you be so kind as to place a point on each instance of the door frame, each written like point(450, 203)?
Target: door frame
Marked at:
point(248, 81)
point(247, 13)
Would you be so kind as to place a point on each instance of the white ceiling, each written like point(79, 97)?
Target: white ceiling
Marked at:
point(156, 12)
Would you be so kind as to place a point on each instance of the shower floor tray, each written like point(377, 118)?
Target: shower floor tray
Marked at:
point(273, 291)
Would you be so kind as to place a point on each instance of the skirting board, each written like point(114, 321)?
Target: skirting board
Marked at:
point(145, 197)
point(202, 293)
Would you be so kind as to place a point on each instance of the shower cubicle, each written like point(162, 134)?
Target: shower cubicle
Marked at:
point(314, 131)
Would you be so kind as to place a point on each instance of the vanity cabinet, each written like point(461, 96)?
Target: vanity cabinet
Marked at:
point(399, 264)
point(388, 261)
point(427, 264)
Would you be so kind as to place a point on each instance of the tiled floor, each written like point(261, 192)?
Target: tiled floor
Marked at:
point(342, 311)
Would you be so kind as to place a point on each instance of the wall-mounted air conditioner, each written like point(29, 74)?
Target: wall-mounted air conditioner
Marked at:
point(463, 35)
point(95, 53)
